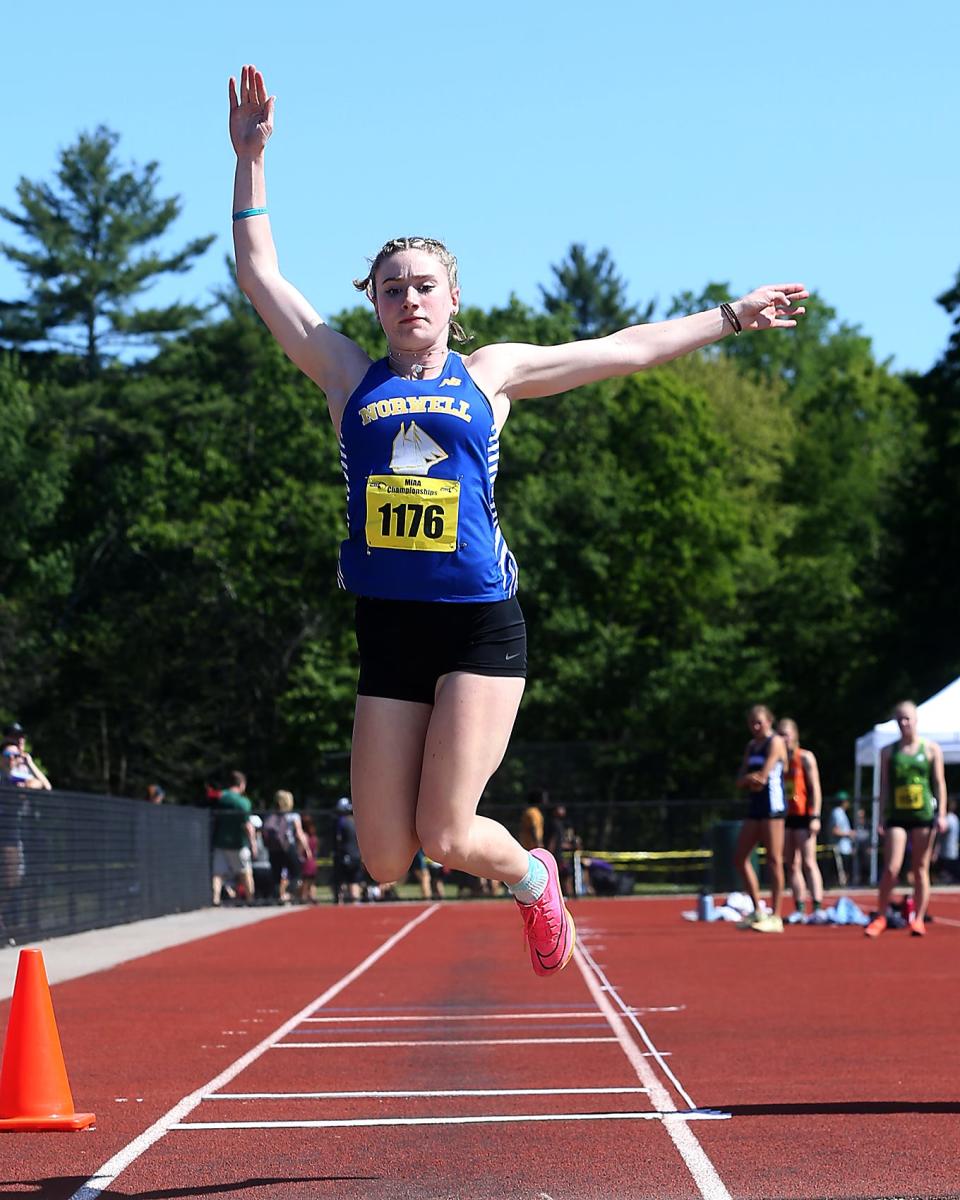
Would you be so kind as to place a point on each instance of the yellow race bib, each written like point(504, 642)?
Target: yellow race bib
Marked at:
point(910, 796)
point(412, 512)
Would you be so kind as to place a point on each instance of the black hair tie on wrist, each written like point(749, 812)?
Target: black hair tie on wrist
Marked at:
point(727, 310)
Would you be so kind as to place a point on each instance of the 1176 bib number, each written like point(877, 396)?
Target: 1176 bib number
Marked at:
point(412, 513)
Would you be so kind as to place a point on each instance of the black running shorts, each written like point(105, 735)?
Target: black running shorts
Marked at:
point(406, 645)
point(799, 820)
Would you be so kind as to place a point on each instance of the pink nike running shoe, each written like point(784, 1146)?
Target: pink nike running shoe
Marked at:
point(548, 927)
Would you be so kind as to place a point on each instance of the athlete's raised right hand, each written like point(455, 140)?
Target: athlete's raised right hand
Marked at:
point(251, 113)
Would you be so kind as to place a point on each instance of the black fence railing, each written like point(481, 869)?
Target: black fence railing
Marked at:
point(72, 861)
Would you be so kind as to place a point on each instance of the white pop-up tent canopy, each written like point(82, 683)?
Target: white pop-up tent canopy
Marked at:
point(938, 719)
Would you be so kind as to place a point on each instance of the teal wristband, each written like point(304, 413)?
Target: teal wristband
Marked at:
point(248, 212)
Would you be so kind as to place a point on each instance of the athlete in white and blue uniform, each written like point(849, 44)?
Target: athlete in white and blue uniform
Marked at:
point(766, 800)
point(761, 777)
point(439, 629)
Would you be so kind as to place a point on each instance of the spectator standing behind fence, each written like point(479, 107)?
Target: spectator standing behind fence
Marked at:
point(347, 867)
point(308, 868)
point(801, 780)
point(560, 840)
point(601, 877)
point(861, 846)
point(262, 871)
point(761, 776)
point(155, 794)
point(19, 771)
point(913, 799)
point(234, 839)
point(948, 847)
point(286, 844)
point(530, 836)
point(421, 870)
point(23, 771)
point(11, 852)
point(841, 836)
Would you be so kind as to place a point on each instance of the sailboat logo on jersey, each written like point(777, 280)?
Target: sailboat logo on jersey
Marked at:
point(413, 512)
point(414, 451)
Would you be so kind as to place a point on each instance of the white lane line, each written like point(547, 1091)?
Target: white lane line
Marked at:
point(657, 1054)
point(105, 1176)
point(493, 1119)
point(693, 1154)
point(945, 921)
point(571, 1091)
point(543, 1041)
point(444, 1017)
point(629, 1014)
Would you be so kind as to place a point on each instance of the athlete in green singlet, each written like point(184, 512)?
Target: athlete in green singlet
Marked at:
point(913, 795)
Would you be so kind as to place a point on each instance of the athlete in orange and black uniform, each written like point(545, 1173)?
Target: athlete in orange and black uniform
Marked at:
point(801, 782)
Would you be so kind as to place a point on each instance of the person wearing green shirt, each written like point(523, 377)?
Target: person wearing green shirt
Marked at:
point(234, 838)
point(913, 798)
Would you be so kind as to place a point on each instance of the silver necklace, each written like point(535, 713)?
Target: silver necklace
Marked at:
point(414, 370)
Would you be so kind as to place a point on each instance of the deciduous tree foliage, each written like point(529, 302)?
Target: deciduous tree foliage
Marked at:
point(211, 603)
point(847, 435)
point(34, 468)
point(923, 572)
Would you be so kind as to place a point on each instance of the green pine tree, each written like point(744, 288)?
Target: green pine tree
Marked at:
point(86, 256)
point(591, 290)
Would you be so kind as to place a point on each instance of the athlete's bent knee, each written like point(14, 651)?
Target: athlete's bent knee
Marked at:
point(387, 868)
point(443, 845)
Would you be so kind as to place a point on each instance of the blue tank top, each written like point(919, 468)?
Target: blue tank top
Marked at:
point(420, 459)
point(773, 788)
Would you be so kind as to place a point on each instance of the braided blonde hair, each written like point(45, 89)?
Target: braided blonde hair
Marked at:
point(368, 284)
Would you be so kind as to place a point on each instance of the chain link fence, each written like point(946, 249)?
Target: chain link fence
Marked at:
point(72, 861)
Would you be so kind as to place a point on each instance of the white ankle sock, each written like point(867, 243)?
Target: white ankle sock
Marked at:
point(532, 886)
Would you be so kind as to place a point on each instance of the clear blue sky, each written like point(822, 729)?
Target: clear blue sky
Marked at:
point(697, 141)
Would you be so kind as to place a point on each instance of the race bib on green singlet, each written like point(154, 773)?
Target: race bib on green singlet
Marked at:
point(412, 512)
point(908, 796)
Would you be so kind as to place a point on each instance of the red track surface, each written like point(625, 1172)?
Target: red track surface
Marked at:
point(834, 1055)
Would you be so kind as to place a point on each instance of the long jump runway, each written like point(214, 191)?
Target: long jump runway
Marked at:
point(407, 1051)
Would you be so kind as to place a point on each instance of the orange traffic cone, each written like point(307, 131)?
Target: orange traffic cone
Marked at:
point(34, 1092)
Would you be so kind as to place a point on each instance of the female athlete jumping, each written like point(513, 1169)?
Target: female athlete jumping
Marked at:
point(440, 633)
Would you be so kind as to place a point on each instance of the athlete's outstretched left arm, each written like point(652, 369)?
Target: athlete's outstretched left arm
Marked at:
point(520, 371)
